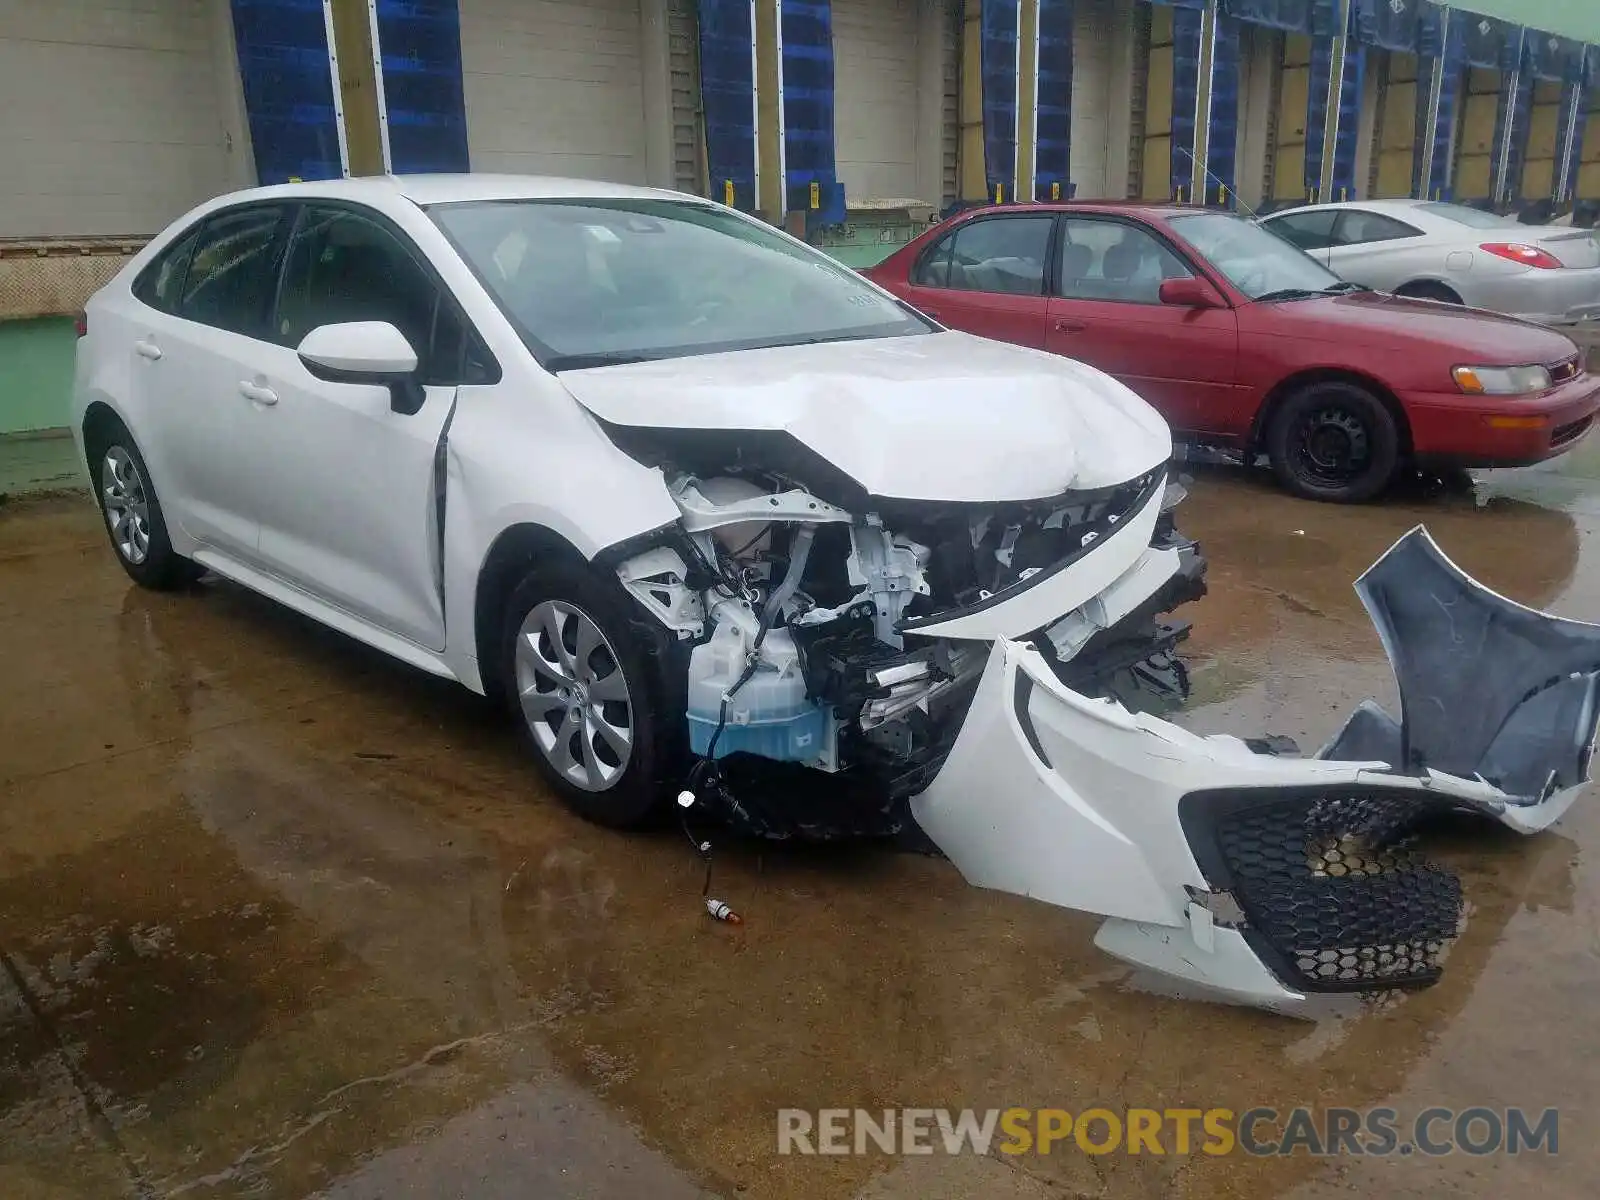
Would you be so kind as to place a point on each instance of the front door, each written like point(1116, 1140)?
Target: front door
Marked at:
point(1108, 313)
point(356, 520)
point(986, 276)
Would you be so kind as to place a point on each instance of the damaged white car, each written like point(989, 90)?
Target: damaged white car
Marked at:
point(721, 518)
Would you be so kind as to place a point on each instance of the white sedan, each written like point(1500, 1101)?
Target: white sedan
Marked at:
point(722, 520)
point(1439, 251)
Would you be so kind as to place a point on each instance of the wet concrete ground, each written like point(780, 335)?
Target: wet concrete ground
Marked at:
point(279, 918)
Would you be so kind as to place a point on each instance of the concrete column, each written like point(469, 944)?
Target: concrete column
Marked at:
point(1119, 126)
point(1374, 95)
point(970, 164)
point(770, 200)
point(231, 114)
point(931, 18)
point(1023, 187)
point(1255, 116)
point(656, 92)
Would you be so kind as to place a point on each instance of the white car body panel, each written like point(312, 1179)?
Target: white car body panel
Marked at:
point(940, 417)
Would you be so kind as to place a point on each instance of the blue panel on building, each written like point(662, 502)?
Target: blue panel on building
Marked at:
point(1053, 146)
point(808, 144)
point(288, 89)
point(999, 64)
point(420, 43)
point(727, 97)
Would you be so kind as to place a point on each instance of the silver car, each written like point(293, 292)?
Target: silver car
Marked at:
point(1449, 252)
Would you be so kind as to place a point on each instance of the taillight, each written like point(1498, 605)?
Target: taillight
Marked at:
point(1521, 252)
point(80, 324)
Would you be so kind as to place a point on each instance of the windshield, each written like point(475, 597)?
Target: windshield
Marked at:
point(1475, 218)
point(591, 282)
point(1256, 261)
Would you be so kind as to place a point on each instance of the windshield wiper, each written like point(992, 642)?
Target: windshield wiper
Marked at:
point(1288, 294)
point(600, 358)
point(1344, 287)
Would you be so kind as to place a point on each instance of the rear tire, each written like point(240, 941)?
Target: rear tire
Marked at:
point(1429, 291)
point(587, 682)
point(134, 521)
point(1334, 441)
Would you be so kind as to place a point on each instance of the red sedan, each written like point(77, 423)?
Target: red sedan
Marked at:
point(1242, 340)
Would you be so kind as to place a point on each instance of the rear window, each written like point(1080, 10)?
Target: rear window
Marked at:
point(1473, 218)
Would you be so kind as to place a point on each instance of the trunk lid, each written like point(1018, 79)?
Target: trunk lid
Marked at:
point(1576, 248)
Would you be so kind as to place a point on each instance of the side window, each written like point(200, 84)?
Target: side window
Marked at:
point(1114, 261)
point(233, 270)
point(159, 284)
point(343, 267)
point(1357, 228)
point(1309, 231)
point(991, 254)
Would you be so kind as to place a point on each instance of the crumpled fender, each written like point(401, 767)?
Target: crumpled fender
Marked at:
point(1259, 876)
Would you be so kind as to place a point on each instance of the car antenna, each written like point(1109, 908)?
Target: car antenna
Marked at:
point(1238, 199)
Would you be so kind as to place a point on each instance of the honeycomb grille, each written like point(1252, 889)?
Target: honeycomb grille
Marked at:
point(1334, 895)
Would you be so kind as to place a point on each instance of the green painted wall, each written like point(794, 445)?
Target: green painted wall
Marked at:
point(1570, 18)
point(35, 373)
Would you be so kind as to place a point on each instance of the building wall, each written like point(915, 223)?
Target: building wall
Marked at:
point(119, 114)
point(555, 87)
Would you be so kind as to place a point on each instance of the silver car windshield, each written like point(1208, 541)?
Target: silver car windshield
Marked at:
point(595, 282)
point(1256, 261)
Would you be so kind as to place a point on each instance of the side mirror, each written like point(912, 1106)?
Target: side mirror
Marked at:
point(369, 352)
point(1189, 293)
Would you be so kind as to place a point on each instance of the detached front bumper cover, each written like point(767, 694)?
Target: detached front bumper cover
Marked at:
point(1260, 875)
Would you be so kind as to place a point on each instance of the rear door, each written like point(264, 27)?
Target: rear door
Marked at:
point(1108, 312)
point(203, 307)
point(987, 276)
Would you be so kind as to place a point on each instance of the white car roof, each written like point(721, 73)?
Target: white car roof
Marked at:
point(381, 190)
point(1414, 212)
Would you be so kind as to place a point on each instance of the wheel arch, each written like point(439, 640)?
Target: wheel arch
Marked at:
point(100, 420)
point(513, 550)
point(1423, 283)
point(1287, 386)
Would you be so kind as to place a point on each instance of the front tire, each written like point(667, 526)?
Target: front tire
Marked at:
point(134, 521)
point(586, 684)
point(1334, 441)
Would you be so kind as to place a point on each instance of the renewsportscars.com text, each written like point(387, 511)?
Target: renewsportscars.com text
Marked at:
point(1260, 1132)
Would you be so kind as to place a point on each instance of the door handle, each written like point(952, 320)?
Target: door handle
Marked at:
point(145, 348)
point(257, 392)
point(1070, 327)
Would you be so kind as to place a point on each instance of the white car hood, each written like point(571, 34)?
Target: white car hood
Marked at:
point(945, 416)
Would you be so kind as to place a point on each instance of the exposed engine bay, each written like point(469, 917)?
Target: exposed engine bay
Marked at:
point(972, 669)
point(823, 638)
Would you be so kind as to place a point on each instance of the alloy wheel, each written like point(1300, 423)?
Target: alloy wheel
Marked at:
point(574, 696)
point(126, 505)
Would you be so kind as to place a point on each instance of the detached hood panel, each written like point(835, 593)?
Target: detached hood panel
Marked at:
point(945, 416)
